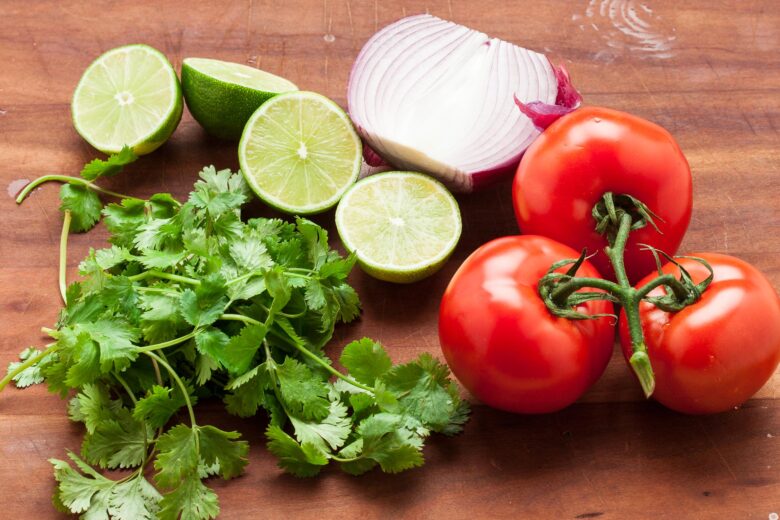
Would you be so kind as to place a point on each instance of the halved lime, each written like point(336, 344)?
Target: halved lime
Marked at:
point(222, 95)
point(128, 96)
point(402, 226)
point(299, 152)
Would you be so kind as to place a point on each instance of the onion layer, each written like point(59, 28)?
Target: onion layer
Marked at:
point(434, 96)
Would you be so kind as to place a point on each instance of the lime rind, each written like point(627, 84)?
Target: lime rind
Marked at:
point(222, 95)
point(364, 223)
point(296, 145)
point(240, 75)
point(164, 116)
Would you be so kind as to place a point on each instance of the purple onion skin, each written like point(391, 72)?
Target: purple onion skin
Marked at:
point(568, 100)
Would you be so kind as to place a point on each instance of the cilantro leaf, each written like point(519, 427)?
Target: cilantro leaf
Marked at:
point(241, 349)
point(96, 496)
point(249, 253)
point(218, 446)
point(123, 220)
point(134, 499)
point(304, 394)
point(111, 257)
point(248, 392)
point(347, 302)
point(388, 441)
point(212, 342)
point(92, 406)
point(117, 443)
point(111, 166)
point(190, 499)
point(157, 233)
point(300, 460)
point(84, 206)
point(315, 294)
point(366, 360)
point(157, 407)
point(160, 320)
point(422, 390)
point(315, 242)
point(206, 303)
point(78, 492)
point(331, 431)
point(115, 340)
point(177, 455)
point(30, 375)
point(83, 357)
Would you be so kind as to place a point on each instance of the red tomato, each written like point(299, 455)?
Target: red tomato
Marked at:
point(502, 342)
point(591, 151)
point(715, 354)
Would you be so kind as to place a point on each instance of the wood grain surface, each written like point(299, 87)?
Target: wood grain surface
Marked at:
point(707, 70)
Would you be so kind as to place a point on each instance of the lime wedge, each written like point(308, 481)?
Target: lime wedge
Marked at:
point(402, 226)
point(128, 96)
point(299, 152)
point(222, 95)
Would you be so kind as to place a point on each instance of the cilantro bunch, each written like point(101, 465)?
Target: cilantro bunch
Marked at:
point(191, 303)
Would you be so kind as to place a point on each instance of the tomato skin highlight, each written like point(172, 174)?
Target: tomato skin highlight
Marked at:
point(502, 342)
point(594, 150)
point(715, 354)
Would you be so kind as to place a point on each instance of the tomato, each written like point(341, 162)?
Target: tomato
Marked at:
point(502, 342)
point(588, 152)
point(715, 354)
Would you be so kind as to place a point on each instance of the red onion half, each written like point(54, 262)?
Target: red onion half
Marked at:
point(433, 96)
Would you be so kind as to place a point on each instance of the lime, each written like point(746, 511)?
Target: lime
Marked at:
point(128, 96)
point(222, 95)
point(402, 226)
point(299, 152)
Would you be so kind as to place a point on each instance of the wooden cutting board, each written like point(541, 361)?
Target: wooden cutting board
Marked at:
point(706, 70)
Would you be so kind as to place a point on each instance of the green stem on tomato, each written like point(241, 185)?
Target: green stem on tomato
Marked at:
point(640, 362)
point(64, 256)
point(561, 293)
point(668, 280)
point(628, 297)
point(50, 349)
point(67, 179)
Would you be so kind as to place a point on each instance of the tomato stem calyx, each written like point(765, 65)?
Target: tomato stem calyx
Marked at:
point(609, 210)
point(616, 217)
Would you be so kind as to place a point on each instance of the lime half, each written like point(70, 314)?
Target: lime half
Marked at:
point(128, 96)
point(222, 95)
point(299, 152)
point(402, 226)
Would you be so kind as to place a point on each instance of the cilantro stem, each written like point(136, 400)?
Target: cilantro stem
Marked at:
point(297, 275)
point(165, 276)
point(67, 179)
point(169, 343)
point(240, 317)
point(341, 459)
point(290, 271)
point(158, 290)
point(64, 256)
point(309, 354)
point(50, 348)
point(303, 350)
point(179, 382)
point(157, 373)
point(126, 387)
